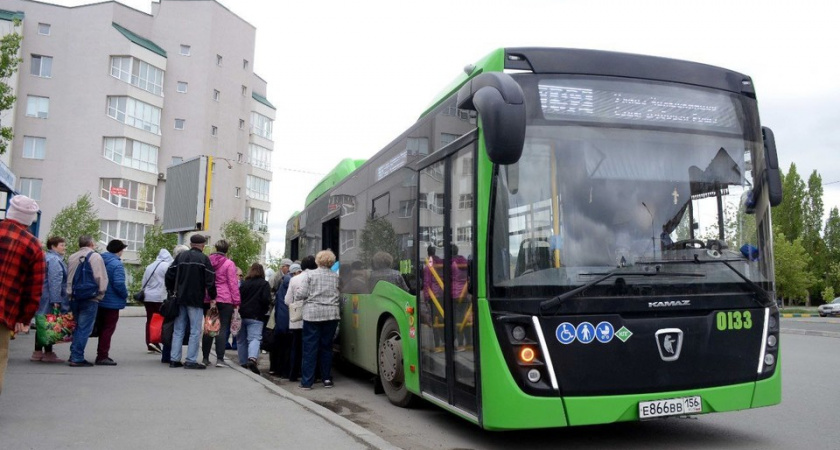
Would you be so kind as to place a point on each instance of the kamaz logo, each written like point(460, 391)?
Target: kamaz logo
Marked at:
point(669, 304)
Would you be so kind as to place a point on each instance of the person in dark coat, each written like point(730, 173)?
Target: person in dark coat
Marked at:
point(255, 294)
point(191, 277)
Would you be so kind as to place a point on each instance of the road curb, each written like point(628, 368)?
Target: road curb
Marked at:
point(830, 334)
point(368, 437)
point(789, 315)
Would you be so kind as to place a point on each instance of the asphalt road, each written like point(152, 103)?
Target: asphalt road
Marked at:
point(807, 417)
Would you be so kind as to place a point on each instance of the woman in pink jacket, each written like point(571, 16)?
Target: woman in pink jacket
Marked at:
point(227, 299)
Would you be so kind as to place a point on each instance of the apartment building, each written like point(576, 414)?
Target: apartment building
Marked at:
point(108, 97)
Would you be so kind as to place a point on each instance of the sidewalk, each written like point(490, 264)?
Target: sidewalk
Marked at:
point(141, 404)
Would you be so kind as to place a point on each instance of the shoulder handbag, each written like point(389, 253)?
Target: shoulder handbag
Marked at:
point(170, 309)
point(140, 295)
point(296, 312)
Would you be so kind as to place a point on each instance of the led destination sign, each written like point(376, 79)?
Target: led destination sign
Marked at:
point(616, 101)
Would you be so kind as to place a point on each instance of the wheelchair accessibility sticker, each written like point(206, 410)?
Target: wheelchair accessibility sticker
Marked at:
point(565, 333)
point(585, 333)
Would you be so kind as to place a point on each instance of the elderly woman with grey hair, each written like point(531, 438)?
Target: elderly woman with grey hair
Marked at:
point(319, 292)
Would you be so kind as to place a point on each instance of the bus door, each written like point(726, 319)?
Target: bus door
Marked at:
point(446, 234)
point(329, 233)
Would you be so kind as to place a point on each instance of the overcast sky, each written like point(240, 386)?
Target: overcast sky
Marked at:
point(348, 77)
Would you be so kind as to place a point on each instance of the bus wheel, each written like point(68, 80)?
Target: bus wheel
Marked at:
point(391, 371)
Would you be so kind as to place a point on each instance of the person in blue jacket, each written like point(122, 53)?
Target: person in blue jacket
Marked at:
point(114, 300)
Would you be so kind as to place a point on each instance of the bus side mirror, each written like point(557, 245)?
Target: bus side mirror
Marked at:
point(500, 103)
point(772, 176)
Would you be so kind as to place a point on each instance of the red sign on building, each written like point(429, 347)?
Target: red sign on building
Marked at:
point(119, 191)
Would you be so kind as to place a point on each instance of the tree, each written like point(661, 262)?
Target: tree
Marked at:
point(832, 235)
point(76, 220)
point(245, 243)
point(378, 235)
point(9, 62)
point(154, 240)
point(792, 276)
point(788, 216)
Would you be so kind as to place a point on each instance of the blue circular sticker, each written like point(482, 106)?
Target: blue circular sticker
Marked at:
point(585, 332)
point(565, 333)
point(604, 332)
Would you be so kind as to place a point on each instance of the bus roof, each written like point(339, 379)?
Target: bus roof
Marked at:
point(344, 168)
point(492, 62)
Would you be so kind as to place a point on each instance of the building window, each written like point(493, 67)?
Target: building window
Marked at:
point(465, 201)
point(179, 124)
point(417, 146)
point(436, 204)
point(135, 113)
point(464, 234)
point(260, 156)
point(128, 194)
point(346, 240)
point(214, 130)
point(238, 192)
point(258, 219)
point(37, 107)
point(137, 73)
point(216, 94)
point(241, 124)
point(244, 90)
point(185, 50)
point(406, 206)
point(467, 167)
point(261, 125)
point(219, 60)
point(245, 64)
point(258, 188)
point(34, 147)
point(181, 87)
point(239, 157)
point(31, 187)
point(44, 29)
point(41, 66)
point(130, 153)
point(132, 233)
point(446, 138)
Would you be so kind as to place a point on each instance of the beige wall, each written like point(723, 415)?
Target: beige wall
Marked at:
point(81, 42)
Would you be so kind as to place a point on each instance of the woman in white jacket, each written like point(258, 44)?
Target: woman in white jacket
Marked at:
point(155, 290)
point(296, 328)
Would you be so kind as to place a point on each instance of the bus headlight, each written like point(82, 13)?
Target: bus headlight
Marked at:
point(769, 359)
point(527, 355)
point(534, 375)
point(772, 340)
point(518, 333)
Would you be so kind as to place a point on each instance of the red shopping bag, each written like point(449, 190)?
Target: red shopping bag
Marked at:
point(155, 328)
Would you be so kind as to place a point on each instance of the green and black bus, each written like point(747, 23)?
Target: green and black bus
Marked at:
point(578, 237)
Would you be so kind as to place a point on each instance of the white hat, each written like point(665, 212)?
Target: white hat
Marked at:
point(22, 209)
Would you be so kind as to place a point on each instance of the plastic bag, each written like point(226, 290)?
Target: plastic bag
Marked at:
point(212, 322)
point(235, 322)
point(54, 328)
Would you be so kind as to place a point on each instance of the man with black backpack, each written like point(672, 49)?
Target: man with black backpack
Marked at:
point(88, 281)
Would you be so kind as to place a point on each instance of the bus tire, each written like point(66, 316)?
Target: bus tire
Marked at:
point(390, 362)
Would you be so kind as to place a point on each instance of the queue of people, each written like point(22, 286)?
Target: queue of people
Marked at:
point(92, 286)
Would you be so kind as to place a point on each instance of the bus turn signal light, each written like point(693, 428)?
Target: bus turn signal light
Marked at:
point(527, 354)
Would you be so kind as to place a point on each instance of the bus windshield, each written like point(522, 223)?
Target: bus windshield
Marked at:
point(628, 175)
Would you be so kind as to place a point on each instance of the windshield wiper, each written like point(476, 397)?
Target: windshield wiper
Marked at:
point(555, 302)
point(752, 284)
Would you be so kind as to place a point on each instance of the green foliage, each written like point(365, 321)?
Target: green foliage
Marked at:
point(272, 262)
point(378, 235)
point(788, 216)
point(154, 240)
point(9, 62)
point(832, 235)
point(245, 244)
point(792, 276)
point(74, 221)
point(828, 294)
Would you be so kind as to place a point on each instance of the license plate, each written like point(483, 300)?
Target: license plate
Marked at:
point(670, 407)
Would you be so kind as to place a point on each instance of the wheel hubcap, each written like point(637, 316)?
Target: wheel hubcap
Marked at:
point(390, 359)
